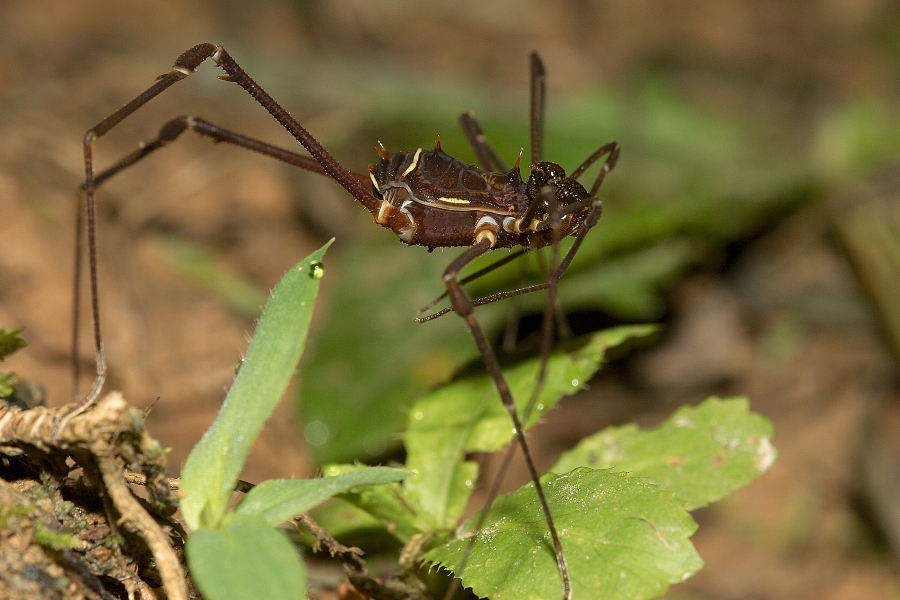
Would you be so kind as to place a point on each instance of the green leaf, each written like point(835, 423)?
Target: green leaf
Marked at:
point(467, 416)
point(701, 453)
point(246, 558)
point(623, 537)
point(385, 503)
point(277, 500)
point(213, 467)
point(10, 341)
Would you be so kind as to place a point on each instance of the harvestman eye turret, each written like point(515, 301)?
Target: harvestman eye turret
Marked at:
point(425, 196)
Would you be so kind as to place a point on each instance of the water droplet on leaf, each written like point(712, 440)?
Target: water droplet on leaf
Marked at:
point(316, 269)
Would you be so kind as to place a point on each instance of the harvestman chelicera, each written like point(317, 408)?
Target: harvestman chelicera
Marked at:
point(425, 196)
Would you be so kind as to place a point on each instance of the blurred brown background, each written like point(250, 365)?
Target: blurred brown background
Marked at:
point(788, 108)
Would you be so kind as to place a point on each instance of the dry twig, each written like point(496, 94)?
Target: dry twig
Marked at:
point(107, 440)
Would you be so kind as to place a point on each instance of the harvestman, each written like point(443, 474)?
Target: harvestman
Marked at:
point(426, 197)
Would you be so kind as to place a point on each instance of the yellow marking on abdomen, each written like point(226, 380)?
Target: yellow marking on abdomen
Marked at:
point(415, 163)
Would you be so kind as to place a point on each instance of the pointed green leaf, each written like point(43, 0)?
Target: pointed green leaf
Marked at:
point(246, 558)
point(277, 500)
point(622, 537)
point(701, 453)
point(213, 467)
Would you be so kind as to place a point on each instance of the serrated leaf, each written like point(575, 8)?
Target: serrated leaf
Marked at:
point(467, 416)
point(212, 468)
point(623, 538)
point(277, 500)
point(246, 558)
point(701, 453)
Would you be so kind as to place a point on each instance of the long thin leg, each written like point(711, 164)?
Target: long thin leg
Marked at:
point(536, 126)
point(172, 129)
point(538, 90)
point(76, 296)
point(463, 306)
point(612, 149)
point(481, 272)
point(347, 179)
point(490, 299)
point(185, 65)
point(551, 307)
point(485, 154)
point(168, 133)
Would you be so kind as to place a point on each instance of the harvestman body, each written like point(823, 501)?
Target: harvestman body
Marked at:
point(426, 197)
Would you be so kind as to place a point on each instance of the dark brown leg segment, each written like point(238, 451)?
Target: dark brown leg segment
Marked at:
point(463, 306)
